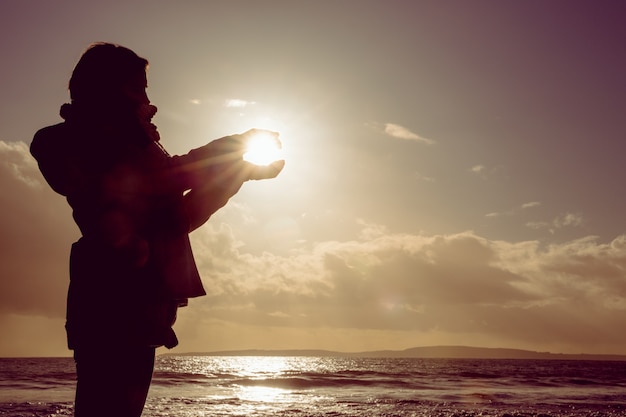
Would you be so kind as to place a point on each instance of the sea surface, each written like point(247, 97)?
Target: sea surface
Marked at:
point(189, 386)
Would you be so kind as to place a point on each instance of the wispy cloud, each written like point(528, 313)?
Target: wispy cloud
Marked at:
point(401, 132)
point(530, 204)
point(238, 103)
point(477, 169)
point(515, 210)
point(485, 172)
point(568, 219)
point(561, 221)
point(421, 177)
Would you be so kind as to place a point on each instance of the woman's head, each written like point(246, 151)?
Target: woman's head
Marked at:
point(108, 75)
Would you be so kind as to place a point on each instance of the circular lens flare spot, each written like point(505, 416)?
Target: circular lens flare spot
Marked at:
point(263, 149)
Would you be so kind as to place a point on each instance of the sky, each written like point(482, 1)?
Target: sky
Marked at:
point(454, 169)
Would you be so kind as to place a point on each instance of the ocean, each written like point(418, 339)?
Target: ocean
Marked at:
point(263, 386)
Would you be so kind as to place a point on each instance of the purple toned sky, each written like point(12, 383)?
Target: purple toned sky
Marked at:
point(454, 169)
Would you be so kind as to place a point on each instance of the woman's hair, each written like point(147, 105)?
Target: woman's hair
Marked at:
point(102, 73)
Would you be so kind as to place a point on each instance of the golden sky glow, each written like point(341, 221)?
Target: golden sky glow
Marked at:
point(454, 170)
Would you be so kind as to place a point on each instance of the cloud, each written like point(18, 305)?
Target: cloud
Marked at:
point(228, 102)
point(238, 103)
point(400, 132)
point(484, 172)
point(17, 164)
point(420, 177)
point(530, 204)
point(561, 221)
point(457, 284)
point(456, 288)
point(568, 219)
point(481, 171)
point(477, 168)
point(36, 229)
point(515, 210)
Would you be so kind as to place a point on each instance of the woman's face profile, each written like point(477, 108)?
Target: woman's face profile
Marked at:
point(135, 90)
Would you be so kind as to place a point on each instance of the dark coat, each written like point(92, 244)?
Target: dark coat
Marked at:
point(133, 265)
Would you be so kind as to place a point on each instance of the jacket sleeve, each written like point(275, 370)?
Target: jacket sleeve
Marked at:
point(206, 163)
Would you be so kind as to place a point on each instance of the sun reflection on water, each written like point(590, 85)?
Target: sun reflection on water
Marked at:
point(258, 366)
point(249, 380)
point(263, 394)
point(258, 370)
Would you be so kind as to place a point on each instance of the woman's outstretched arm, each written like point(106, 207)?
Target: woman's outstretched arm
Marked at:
point(215, 172)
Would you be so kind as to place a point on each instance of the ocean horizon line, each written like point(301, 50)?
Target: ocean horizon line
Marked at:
point(426, 352)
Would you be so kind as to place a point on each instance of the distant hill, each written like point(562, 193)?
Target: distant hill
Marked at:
point(444, 352)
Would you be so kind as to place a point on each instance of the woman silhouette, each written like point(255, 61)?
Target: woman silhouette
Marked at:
point(134, 205)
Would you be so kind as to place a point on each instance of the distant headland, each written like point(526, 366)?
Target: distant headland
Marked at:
point(431, 352)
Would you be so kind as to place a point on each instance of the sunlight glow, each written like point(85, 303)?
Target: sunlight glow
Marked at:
point(264, 369)
point(263, 149)
point(263, 394)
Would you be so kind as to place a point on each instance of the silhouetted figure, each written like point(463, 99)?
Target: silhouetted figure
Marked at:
point(134, 205)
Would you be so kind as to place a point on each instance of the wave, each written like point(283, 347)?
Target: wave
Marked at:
point(294, 383)
point(36, 408)
point(396, 380)
point(415, 374)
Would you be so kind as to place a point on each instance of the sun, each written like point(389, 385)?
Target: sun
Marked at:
point(263, 149)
